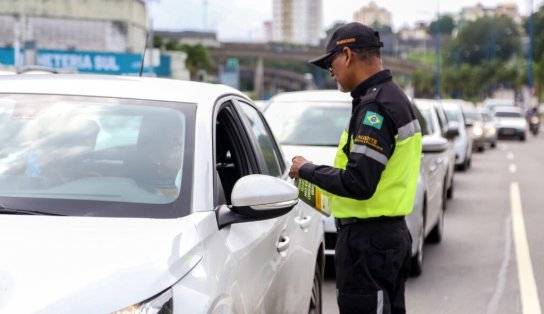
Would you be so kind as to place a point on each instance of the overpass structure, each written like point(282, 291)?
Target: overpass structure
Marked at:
point(266, 78)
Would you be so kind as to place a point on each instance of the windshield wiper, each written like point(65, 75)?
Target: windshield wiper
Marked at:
point(16, 211)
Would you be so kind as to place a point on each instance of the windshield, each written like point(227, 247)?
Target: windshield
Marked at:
point(471, 116)
point(313, 124)
point(508, 114)
point(85, 155)
point(452, 115)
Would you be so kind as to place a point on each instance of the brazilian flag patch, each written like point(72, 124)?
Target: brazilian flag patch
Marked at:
point(373, 119)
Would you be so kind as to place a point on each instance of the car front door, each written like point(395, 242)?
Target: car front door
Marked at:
point(243, 258)
point(303, 228)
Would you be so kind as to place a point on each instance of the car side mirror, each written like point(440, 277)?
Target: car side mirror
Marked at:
point(452, 132)
point(434, 144)
point(257, 197)
point(469, 123)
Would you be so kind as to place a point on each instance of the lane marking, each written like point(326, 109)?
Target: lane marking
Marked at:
point(513, 168)
point(529, 294)
point(510, 156)
point(493, 305)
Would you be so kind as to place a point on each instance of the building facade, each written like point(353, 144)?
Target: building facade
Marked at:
point(297, 21)
point(373, 15)
point(97, 25)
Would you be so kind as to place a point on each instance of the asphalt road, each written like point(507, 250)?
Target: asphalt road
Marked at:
point(491, 259)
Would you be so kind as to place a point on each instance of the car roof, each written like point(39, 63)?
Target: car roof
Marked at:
point(116, 87)
point(312, 96)
point(507, 109)
point(425, 104)
point(499, 102)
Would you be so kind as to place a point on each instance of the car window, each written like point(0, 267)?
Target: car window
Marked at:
point(71, 148)
point(422, 122)
point(502, 114)
point(470, 115)
point(442, 121)
point(452, 115)
point(307, 123)
point(427, 115)
point(272, 156)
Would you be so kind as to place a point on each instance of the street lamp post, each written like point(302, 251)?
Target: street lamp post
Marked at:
point(530, 52)
point(437, 52)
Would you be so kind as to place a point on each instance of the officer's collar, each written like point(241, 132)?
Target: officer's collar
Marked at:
point(374, 80)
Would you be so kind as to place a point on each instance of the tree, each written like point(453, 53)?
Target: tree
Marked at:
point(538, 26)
point(445, 25)
point(333, 28)
point(198, 57)
point(484, 39)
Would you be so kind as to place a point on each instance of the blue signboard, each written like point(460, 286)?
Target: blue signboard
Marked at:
point(91, 62)
point(7, 57)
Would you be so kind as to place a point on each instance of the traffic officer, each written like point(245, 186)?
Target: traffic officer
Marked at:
point(373, 181)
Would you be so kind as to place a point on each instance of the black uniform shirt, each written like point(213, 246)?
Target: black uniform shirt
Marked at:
point(377, 113)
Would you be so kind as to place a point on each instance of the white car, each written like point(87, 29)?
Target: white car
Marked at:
point(309, 123)
point(511, 122)
point(437, 125)
point(146, 195)
point(462, 143)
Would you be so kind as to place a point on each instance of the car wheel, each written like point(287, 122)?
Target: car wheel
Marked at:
point(436, 234)
point(450, 189)
point(523, 137)
point(493, 144)
point(466, 163)
point(315, 297)
point(481, 148)
point(445, 194)
point(416, 267)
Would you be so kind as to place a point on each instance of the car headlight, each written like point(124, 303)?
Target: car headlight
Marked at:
point(159, 304)
point(477, 131)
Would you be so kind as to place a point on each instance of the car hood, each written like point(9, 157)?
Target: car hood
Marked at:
point(319, 155)
point(53, 264)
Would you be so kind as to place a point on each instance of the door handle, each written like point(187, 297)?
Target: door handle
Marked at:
point(283, 244)
point(303, 222)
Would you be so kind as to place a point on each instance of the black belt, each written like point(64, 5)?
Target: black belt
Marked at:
point(340, 222)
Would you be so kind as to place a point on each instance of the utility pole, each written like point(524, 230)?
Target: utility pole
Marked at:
point(437, 52)
point(530, 52)
point(205, 16)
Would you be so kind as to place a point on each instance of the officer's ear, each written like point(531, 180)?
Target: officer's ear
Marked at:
point(348, 55)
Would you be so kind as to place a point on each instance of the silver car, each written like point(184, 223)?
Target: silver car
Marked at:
point(310, 123)
point(140, 195)
point(462, 143)
point(475, 124)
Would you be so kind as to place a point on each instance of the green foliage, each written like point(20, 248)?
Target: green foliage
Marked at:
point(157, 42)
point(538, 26)
point(445, 25)
point(484, 39)
point(423, 82)
point(198, 56)
point(331, 29)
point(477, 82)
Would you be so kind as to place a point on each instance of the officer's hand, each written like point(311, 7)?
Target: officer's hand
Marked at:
point(298, 161)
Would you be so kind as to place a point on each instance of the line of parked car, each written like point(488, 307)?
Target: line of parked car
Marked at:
point(130, 194)
point(308, 123)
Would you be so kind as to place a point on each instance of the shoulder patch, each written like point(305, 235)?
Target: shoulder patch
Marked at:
point(370, 96)
point(373, 119)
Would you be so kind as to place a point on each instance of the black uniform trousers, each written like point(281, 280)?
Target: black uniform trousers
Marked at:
point(372, 264)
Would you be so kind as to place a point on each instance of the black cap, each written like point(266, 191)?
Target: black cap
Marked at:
point(353, 35)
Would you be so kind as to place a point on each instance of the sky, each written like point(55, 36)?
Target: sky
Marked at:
point(242, 20)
